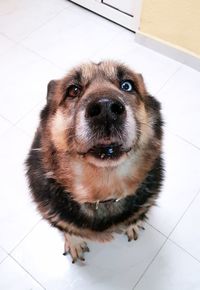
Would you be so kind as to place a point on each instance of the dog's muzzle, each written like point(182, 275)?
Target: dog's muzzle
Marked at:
point(106, 118)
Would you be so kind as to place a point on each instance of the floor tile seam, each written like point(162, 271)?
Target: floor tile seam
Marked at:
point(6, 254)
point(154, 258)
point(168, 79)
point(28, 272)
point(10, 252)
point(18, 120)
point(157, 230)
point(5, 119)
point(149, 264)
point(40, 26)
point(184, 250)
point(8, 38)
point(105, 44)
point(25, 115)
point(58, 66)
point(32, 50)
point(14, 126)
point(184, 213)
point(187, 141)
point(167, 239)
point(70, 7)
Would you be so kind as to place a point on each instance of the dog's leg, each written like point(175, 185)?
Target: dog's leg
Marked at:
point(132, 231)
point(75, 246)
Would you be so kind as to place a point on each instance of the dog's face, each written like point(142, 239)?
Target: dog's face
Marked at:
point(97, 111)
point(100, 131)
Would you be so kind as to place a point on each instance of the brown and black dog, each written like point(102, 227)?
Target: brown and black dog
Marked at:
point(95, 165)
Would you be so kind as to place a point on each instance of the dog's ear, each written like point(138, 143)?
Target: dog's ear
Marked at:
point(141, 77)
point(51, 88)
point(141, 85)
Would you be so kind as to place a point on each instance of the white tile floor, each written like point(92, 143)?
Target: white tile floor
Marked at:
point(40, 40)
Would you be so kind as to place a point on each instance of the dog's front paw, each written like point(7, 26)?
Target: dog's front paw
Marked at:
point(132, 231)
point(76, 247)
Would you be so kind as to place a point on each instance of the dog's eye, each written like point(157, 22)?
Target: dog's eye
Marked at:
point(73, 91)
point(126, 86)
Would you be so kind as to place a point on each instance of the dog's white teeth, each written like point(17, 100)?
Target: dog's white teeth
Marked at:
point(102, 156)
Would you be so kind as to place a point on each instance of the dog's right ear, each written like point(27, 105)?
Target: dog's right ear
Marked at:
point(51, 88)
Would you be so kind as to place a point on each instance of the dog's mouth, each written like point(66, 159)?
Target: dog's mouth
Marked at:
point(107, 151)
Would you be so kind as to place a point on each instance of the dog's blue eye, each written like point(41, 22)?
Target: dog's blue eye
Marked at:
point(126, 86)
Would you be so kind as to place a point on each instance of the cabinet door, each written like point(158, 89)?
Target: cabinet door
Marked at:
point(124, 12)
point(126, 6)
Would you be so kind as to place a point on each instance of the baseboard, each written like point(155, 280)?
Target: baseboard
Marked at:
point(165, 48)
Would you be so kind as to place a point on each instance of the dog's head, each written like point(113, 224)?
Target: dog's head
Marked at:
point(101, 131)
point(97, 111)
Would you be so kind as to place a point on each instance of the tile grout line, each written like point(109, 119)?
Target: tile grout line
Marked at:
point(41, 56)
point(9, 38)
point(177, 245)
point(150, 263)
point(187, 141)
point(47, 59)
point(168, 79)
point(41, 25)
point(5, 254)
point(169, 130)
point(157, 230)
point(34, 30)
point(20, 265)
point(5, 119)
point(4, 258)
point(28, 112)
point(58, 66)
point(185, 211)
point(167, 239)
point(24, 237)
point(154, 257)
point(19, 42)
point(177, 135)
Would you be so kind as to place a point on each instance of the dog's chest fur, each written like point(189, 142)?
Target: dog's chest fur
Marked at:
point(90, 184)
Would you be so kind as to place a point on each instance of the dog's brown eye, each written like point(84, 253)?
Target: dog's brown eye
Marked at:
point(127, 86)
point(73, 91)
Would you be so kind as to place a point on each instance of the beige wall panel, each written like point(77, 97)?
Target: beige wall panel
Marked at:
point(177, 22)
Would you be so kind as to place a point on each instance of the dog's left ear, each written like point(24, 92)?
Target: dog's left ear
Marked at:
point(141, 77)
point(51, 88)
point(141, 85)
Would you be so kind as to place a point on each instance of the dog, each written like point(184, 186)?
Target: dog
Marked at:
point(95, 166)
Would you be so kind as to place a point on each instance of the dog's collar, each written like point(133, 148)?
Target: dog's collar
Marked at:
point(112, 200)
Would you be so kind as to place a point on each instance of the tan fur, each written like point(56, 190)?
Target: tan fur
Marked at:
point(58, 127)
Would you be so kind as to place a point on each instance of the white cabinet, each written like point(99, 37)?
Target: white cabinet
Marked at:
point(123, 12)
point(126, 6)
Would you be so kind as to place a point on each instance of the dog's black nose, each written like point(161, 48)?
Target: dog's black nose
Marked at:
point(108, 108)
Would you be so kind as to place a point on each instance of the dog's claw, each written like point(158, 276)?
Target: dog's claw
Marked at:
point(76, 247)
point(86, 249)
point(132, 231)
point(141, 227)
